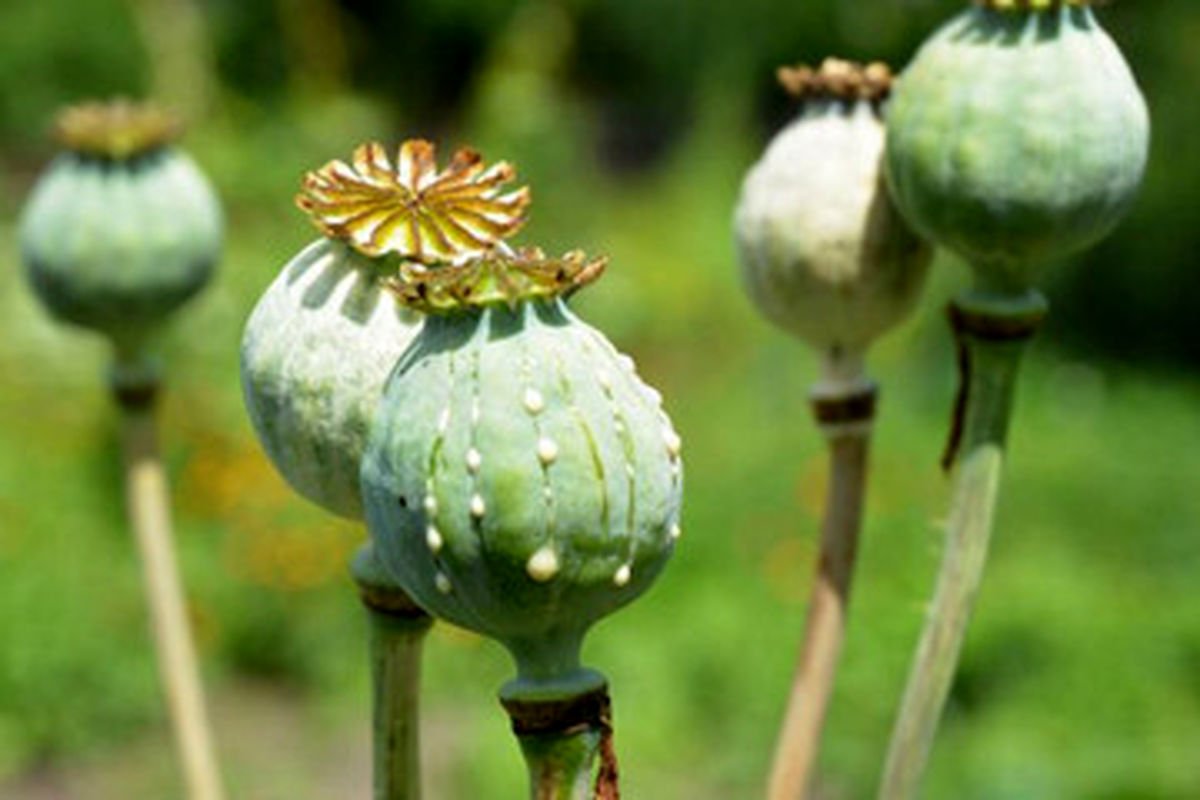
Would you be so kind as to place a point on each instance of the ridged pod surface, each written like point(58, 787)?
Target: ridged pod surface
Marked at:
point(315, 354)
point(824, 253)
point(521, 481)
point(1017, 136)
point(118, 244)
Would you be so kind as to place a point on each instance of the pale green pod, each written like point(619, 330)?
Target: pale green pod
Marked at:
point(1017, 136)
point(322, 339)
point(824, 253)
point(315, 354)
point(522, 481)
point(117, 244)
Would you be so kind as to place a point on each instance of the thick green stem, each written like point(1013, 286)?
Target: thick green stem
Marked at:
point(563, 740)
point(560, 765)
point(993, 332)
point(844, 412)
point(148, 503)
point(398, 629)
point(396, 644)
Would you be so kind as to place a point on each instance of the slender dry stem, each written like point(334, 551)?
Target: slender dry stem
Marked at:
point(844, 409)
point(149, 514)
point(798, 744)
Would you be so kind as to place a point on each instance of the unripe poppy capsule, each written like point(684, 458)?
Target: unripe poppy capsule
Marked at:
point(520, 480)
point(1017, 136)
point(122, 228)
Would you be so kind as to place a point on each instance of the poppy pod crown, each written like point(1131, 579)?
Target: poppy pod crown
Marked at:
point(325, 335)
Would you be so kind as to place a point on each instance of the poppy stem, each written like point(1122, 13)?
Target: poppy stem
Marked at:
point(993, 331)
point(844, 410)
point(147, 499)
point(398, 630)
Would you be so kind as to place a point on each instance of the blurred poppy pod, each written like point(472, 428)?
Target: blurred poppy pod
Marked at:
point(122, 228)
point(1016, 136)
point(824, 253)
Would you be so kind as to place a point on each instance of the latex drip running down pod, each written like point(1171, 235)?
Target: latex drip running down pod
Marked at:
point(521, 480)
point(324, 336)
point(122, 228)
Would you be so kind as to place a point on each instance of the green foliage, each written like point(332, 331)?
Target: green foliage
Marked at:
point(55, 53)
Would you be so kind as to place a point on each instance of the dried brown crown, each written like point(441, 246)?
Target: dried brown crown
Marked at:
point(118, 129)
point(411, 209)
point(836, 79)
point(496, 277)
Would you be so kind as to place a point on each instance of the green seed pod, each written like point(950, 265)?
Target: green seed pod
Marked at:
point(520, 479)
point(323, 337)
point(824, 253)
point(1017, 135)
point(122, 228)
point(315, 353)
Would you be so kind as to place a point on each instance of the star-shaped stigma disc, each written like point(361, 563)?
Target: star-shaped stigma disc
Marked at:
point(501, 276)
point(411, 209)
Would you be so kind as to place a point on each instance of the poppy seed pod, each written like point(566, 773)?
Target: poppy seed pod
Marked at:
point(324, 336)
point(122, 228)
point(521, 480)
point(315, 353)
point(1017, 135)
point(824, 253)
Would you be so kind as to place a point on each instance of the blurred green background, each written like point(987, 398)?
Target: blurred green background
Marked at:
point(633, 120)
